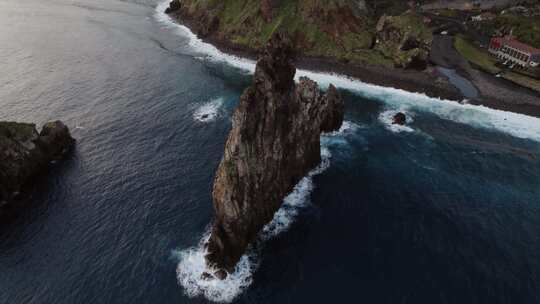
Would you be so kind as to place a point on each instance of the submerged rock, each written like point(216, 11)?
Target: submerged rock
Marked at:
point(399, 119)
point(24, 153)
point(274, 142)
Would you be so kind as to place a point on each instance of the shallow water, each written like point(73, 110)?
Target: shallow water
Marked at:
point(463, 84)
point(445, 212)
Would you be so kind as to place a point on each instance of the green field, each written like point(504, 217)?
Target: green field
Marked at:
point(476, 56)
point(526, 29)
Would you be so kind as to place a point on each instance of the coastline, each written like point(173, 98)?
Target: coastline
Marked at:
point(497, 93)
point(429, 82)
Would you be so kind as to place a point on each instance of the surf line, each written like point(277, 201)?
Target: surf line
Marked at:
point(192, 263)
point(514, 124)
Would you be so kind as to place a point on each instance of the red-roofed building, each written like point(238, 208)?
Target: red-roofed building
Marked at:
point(510, 49)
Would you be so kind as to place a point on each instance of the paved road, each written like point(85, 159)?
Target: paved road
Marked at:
point(495, 92)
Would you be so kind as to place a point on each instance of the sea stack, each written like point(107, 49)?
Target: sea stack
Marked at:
point(273, 143)
point(25, 153)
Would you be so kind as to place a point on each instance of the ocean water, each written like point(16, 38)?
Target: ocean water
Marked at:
point(443, 210)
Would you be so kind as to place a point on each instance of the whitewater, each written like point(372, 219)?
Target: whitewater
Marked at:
point(191, 263)
point(515, 124)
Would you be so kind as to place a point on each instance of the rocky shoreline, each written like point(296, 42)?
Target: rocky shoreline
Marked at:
point(25, 154)
point(429, 82)
point(409, 80)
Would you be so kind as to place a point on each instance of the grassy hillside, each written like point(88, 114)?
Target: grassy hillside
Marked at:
point(341, 29)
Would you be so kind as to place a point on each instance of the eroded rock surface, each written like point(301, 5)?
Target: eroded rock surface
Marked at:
point(24, 153)
point(274, 142)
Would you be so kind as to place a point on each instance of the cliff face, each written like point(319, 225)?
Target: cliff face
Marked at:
point(343, 30)
point(274, 142)
point(24, 153)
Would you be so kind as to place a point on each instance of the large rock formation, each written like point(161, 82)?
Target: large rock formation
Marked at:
point(405, 40)
point(24, 153)
point(274, 142)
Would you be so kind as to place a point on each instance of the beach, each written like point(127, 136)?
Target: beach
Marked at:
point(494, 93)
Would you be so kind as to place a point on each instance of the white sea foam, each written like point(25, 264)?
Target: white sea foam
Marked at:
point(387, 118)
point(296, 200)
point(199, 46)
point(518, 125)
point(209, 111)
point(192, 264)
point(347, 127)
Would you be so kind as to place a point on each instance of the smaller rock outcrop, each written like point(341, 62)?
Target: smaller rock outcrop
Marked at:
point(25, 153)
point(174, 6)
point(399, 119)
point(403, 39)
point(274, 142)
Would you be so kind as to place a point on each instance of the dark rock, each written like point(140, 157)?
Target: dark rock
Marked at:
point(399, 119)
point(407, 48)
point(209, 23)
point(221, 274)
point(206, 276)
point(418, 61)
point(204, 22)
point(273, 143)
point(174, 6)
point(24, 154)
point(410, 43)
point(204, 116)
point(268, 9)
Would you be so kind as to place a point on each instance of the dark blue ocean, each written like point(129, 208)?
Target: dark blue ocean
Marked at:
point(444, 210)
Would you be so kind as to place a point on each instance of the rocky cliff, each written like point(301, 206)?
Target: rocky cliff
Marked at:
point(25, 153)
point(342, 30)
point(274, 142)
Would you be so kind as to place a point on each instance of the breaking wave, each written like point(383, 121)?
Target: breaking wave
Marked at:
point(518, 125)
point(192, 265)
point(387, 118)
point(209, 111)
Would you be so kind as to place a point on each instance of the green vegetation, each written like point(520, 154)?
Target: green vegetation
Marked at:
point(474, 55)
point(447, 12)
point(19, 131)
point(526, 29)
point(340, 29)
point(408, 26)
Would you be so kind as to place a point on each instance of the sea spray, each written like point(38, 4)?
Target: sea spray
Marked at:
point(387, 119)
point(192, 263)
point(518, 125)
point(208, 111)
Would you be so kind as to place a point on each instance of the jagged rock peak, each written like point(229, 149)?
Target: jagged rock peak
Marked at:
point(273, 143)
point(25, 153)
point(276, 64)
